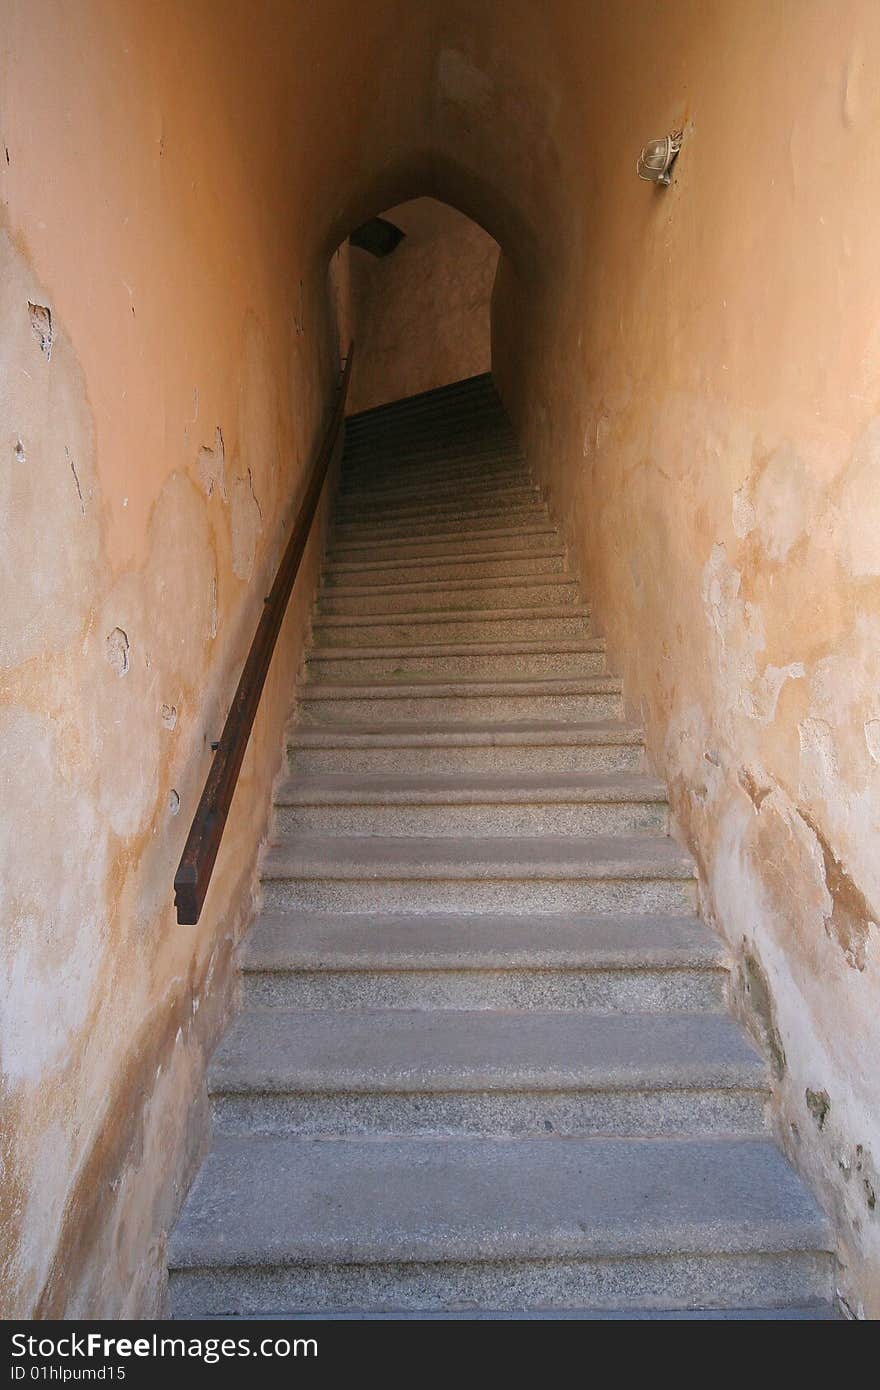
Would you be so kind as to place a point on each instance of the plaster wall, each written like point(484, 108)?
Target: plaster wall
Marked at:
point(167, 350)
point(701, 402)
point(440, 275)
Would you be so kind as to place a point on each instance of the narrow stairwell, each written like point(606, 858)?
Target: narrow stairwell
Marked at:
point(483, 1066)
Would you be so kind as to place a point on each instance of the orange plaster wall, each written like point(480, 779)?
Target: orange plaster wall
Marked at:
point(441, 274)
point(697, 386)
point(151, 456)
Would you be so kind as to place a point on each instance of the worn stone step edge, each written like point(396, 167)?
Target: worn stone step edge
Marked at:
point(444, 538)
point(539, 858)
point(479, 598)
point(437, 549)
point(473, 413)
point(558, 622)
point(286, 941)
point(386, 523)
point(268, 1200)
point(402, 486)
point(450, 572)
point(406, 481)
point(488, 557)
point(468, 420)
point(449, 616)
point(526, 734)
point(429, 687)
point(468, 659)
point(818, 1312)
point(693, 988)
point(467, 428)
point(553, 646)
point(460, 502)
point(428, 467)
point(470, 524)
point(752, 1279)
point(562, 580)
point(467, 789)
point(403, 1051)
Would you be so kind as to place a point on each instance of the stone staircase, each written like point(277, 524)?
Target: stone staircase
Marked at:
point(483, 1066)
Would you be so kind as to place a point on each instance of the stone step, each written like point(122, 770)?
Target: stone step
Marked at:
point(412, 481)
point(421, 699)
point(371, 459)
point(439, 544)
point(474, 566)
point(486, 660)
point(492, 1072)
point(502, 874)
point(467, 525)
point(484, 1067)
point(466, 427)
point(814, 1312)
point(485, 1071)
point(513, 803)
point(598, 746)
point(523, 591)
point(605, 964)
point(366, 465)
point(480, 409)
point(450, 504)
point(567, 622)
point(282, 1222)
point(465, 421)
point(428, 484)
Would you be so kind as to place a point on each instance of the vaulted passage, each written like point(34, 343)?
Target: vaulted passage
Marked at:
point(440, 782)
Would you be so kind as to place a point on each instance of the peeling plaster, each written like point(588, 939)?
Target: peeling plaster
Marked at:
point(40, 500)
point(745, 517)
point(247, 523)
point(118, 651)
point(852, 918)
point(753, 790)
point(212, 464)
point(757, 989)
point(786, 498)
point(41, 323)
point(738, 624)
point(818, 757)
point(859, 506)
point(52, 951)
point(76, 482)
point(819, 1106)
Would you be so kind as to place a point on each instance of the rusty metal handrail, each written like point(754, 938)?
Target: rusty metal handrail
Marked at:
point(203, 842)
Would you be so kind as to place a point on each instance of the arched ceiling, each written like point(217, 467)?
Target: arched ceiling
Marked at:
point(428, 174)
point(446, 99)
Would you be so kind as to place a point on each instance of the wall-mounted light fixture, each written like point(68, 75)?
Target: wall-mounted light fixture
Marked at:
point(657, 158)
